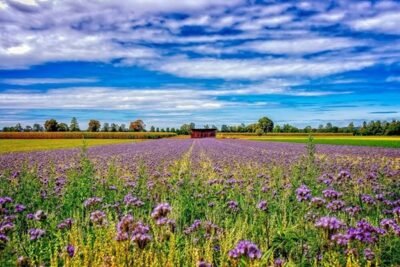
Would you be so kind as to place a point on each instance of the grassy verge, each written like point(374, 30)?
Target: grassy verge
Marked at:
point(18, 145)
point(393, 142)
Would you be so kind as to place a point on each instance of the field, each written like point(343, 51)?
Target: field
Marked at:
point(85, 135)
point(204, 202)
point(378, 141)
point(15, 145)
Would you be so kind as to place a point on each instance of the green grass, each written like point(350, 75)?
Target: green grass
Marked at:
point(19, 145)
point(393, 142)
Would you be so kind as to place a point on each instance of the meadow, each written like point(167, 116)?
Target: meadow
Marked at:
point(18, 145)
point(328, 139)
point(205, 202)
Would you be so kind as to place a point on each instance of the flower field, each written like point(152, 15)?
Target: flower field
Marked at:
point(205, 202)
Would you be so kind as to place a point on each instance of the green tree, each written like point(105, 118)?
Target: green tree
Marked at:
point(37, 127)
point(74, 126)
point(152, 129)
point(266, 124)
point(106, 127)
point(114, 127)
point(94, 126)
point(51, 125)
point(62, 127)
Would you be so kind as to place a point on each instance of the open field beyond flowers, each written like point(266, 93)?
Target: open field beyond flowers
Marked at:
point(206, 202)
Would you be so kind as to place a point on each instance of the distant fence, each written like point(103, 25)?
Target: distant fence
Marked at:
point(84, 135)
point(227, 135)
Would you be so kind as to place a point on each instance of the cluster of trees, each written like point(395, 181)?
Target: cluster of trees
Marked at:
point(52, 125)
point(264, 125)
point(371, 128)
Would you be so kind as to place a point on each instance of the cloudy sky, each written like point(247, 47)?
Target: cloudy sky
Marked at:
point(209, 61)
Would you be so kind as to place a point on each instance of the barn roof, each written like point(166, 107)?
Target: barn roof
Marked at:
point(204, 130)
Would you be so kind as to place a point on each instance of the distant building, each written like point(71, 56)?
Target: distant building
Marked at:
point(203, 133)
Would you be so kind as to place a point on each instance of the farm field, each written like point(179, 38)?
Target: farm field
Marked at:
point(203, 202)
point(378, 141)
point(18, 145)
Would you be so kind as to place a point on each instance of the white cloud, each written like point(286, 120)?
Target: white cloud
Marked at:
point(301, 46)
point(257, 68)
point(393, 79)
point(33, 81)
point(385, 22)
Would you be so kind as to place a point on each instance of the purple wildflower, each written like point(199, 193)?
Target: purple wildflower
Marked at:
point(367, 199)
point(202, 263)
point(98, 217)
point(352, 211)
point(369, 254)
point(40, 215)
point(233, 206)
point(331, 193)
point(336, 205)
point(262, 205)
point(318, 201)
point(19, 208)
point(66, 224)
point(36, 233)
point(330, 223)
point(303, 193)
point(365, 232)
point(279, 262)
point(70, 250)
point(92, 201)
point(247, 249)
point(130, 200)
point(161, 210)
point(140, 235)
point(341, 239)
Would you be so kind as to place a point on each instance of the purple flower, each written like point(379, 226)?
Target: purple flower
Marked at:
point(247, 249)
point(98, 217)
point(5, 227)
point(66, 224)
point(330, 223)
point(92, 201)
point(36, 233)
point(233, 206)
point(132, 201)
point(352, 211)
point(367, 199)
point(5, 200)
point(318, 201)
point(341, 239)
point(3, 240)
point(40, 215)
point(369, 254)
point(303, 193)
point(19, 208)
point(262, 205)
point(161, 210)
point(336, 205)
point(195, 226)
point(365, 232)
point(279, 262)
point(331, 193)
point(70, 250)
point(202, 263)
point(140, 235)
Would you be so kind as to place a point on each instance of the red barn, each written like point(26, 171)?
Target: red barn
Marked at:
point(203, 133)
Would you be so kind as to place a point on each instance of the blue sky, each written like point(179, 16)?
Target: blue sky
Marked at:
point(206, 61)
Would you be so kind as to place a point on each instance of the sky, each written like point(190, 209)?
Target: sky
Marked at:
point(203, 61)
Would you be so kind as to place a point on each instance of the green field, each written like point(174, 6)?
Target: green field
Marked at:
point(377, 141)
point(18, 145)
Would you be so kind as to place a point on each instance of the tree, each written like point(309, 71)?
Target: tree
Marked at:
point(106, 127)
point(167, 129)
point(152, 129)
point(114, 127)
point(62, 127)
point(37, 127)
point(28, 128)
point(122, 128)
point(94, 126)
point(266, 124)
point(18, 127)
point(51, 125)
point(137, 126)
point(74, 126)
point(224, 128)
point(192, 126)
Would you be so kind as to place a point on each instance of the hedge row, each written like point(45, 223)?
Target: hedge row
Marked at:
point(85, 135)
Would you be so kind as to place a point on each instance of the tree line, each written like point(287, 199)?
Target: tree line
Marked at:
point(263, 126)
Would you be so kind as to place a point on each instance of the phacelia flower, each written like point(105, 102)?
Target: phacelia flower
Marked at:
point(341, 239)
point(246, 249)
point(369, 254)
point(98, 217)
point(365, 232)
point(202, 263)
point(19, 208)
point(70, 250)
point(330, 223)
point(130, 200)
point(352, 211)
point(331, 194)
point(65, 224)
point(36, 233)
point(367, 199)
point(92, 201)
point(262, 205)
point(233, 206)
point(161, 210)
point(303, 193)
point(336, 205)
point(40, 215)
